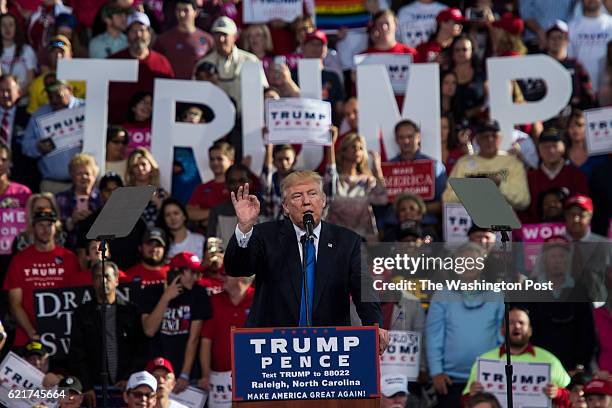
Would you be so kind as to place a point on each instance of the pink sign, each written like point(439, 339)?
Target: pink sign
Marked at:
point(534, 235)
point(12, 222)
point(139, 137)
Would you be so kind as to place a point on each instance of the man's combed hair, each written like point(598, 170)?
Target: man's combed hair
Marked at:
point(301, 176)
point(107, 264)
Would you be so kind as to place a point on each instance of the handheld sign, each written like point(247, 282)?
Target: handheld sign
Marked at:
point(262, 11)
point(416, 177)
point(305, 363)
point(397, 66)
point(21, 385)
point(298, 120)
point(402, 355)
point(65, 127)
point(13, 221)
point(528, 382)
point(599, 130)
point(533, 238)
point(457, 223)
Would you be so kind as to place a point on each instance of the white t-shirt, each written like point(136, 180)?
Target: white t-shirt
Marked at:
point(417, 22)
point(22, 64)
point(588, 39)
point(194, 243)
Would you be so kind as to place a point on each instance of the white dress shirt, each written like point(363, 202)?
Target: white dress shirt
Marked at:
point(243, 239)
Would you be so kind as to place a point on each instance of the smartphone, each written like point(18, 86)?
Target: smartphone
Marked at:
point(172, 274)
point(474, 14)
point(82, 203)
point(279, 61)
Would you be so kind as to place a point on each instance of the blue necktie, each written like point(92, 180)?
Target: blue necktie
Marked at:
point(310, 275)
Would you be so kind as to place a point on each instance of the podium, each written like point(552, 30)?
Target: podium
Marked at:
point(305, 367)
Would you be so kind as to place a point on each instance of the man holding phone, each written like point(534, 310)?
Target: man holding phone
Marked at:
point(173, 316)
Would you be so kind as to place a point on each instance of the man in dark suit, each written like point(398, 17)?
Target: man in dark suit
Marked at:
point(272, 252)
point(13, 122)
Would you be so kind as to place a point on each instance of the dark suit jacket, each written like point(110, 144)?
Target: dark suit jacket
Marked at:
point(273, 256)
point(86, 343)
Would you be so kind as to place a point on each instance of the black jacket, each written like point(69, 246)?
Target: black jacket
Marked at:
point(86, 343)
point(273, 256)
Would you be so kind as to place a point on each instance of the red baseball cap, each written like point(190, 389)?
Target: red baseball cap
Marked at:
point(186, 260)
point(450, 14)
point(510, 23)
point(316, 35)
point(580, 200)
point(601, 387)
point(159, 362)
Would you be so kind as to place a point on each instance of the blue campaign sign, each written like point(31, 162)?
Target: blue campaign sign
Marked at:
point(305, 363)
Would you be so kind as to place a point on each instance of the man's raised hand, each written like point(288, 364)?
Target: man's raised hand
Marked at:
point(247, 208)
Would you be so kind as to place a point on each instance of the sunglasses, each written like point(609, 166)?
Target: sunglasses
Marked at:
point(119, 141)
point(59, 44)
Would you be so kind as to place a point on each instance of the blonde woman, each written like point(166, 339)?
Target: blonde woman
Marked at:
point(83, 198)
point(35, 203)
point(353, 187)
point(257, 40)
point(143, 170)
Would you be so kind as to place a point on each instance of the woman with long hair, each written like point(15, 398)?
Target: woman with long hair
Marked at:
point(257, 40)
point(17, 57)
point(471, 79)
point(172, 219)
point(449, 104)
point(143, 170)
point(353, 187)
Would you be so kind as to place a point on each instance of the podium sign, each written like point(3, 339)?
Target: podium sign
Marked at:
point(303, 363)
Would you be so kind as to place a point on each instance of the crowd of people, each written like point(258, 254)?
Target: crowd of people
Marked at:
point(173, 330)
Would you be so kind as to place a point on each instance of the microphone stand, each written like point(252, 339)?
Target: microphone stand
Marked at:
point(304, 240)
point(104, 373)
point(503, 230)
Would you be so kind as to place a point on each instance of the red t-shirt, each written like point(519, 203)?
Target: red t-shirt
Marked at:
point(212, 285)
point(183, 50)
point(31, 270)
point(147, 276)
point(219, 328)
point(154, 66)
point(428, 52)
point(209, 194)
point(398, 48)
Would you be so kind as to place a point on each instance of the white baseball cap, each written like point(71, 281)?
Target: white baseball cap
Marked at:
point(559, 25)
point(141, 378)
point(393, 384)
point(224, 25)
point(138, 17)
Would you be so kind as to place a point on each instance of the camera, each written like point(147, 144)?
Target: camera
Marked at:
point(214, 252)
point(208, 67)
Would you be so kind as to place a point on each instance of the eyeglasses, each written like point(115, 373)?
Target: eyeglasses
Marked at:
point(142, 395)
point(119, 141)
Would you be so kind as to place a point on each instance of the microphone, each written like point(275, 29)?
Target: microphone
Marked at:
point(309, 224)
